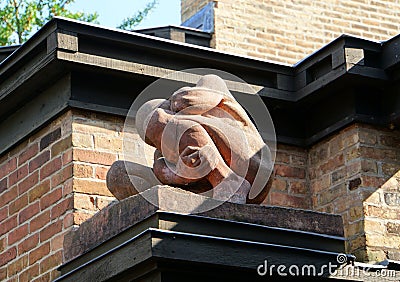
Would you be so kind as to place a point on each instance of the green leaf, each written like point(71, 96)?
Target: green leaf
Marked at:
point(131, 22)
point(19, 19)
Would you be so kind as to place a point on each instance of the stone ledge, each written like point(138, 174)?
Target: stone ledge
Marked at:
point(119, 216)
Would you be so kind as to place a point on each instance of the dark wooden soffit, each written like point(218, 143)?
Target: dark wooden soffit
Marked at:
point(69, 64)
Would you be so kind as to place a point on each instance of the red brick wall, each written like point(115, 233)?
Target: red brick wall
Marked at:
point(51, 182)
point(36, 203)
point(290, 186)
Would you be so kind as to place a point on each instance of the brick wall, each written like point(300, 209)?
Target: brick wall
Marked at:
point(353, 174)
point(55, 180)
point(52, 182)
point(380, 150)
point(97, 143)
point(191, 7)
point(288, 30)
point(36, 203)
point(290, 186)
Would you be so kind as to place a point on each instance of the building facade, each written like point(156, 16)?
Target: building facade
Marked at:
point(287, 31)
point(65, 94)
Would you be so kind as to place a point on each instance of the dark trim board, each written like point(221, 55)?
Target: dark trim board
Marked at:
point(216, 228)
point(179, 33)
point(34, 114)
point(349, 80)
point(6, 51)
point(224, 255)
point(170, 246)
point(273, 225)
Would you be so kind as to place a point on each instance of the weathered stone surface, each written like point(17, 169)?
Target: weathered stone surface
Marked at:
point(392, 199)
point(125, 179)
point(393, 228)
point(118, 217)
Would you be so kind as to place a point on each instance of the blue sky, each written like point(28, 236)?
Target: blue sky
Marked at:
point(111, 13)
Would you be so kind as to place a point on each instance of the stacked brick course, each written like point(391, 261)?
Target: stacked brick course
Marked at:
point(289, 186)
point(354, 174)
point(36, 203)
point(286, 31)
point(51, 182)
point(97, 143)
point(55, 180)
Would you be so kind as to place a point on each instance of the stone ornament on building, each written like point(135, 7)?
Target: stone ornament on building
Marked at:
point(204, 142)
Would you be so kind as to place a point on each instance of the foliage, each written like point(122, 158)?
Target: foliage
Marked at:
point(20, 18)
point(131, 22)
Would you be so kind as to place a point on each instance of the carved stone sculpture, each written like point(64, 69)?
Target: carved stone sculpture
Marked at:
point(204, 141)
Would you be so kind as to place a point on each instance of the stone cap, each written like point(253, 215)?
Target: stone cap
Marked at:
point(119, 216)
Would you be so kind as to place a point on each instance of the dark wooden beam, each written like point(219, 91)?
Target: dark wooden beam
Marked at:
point(297, 97)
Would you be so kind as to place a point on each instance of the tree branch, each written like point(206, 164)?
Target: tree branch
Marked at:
point(17, 21)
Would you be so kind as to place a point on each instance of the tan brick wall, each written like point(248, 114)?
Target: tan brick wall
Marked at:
point(190, 7)
point(353, 174)
point(288, 30)
point(97, 142)
point(380, 149)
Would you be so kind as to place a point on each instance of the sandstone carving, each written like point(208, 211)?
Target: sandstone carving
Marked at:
point(205, 143)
